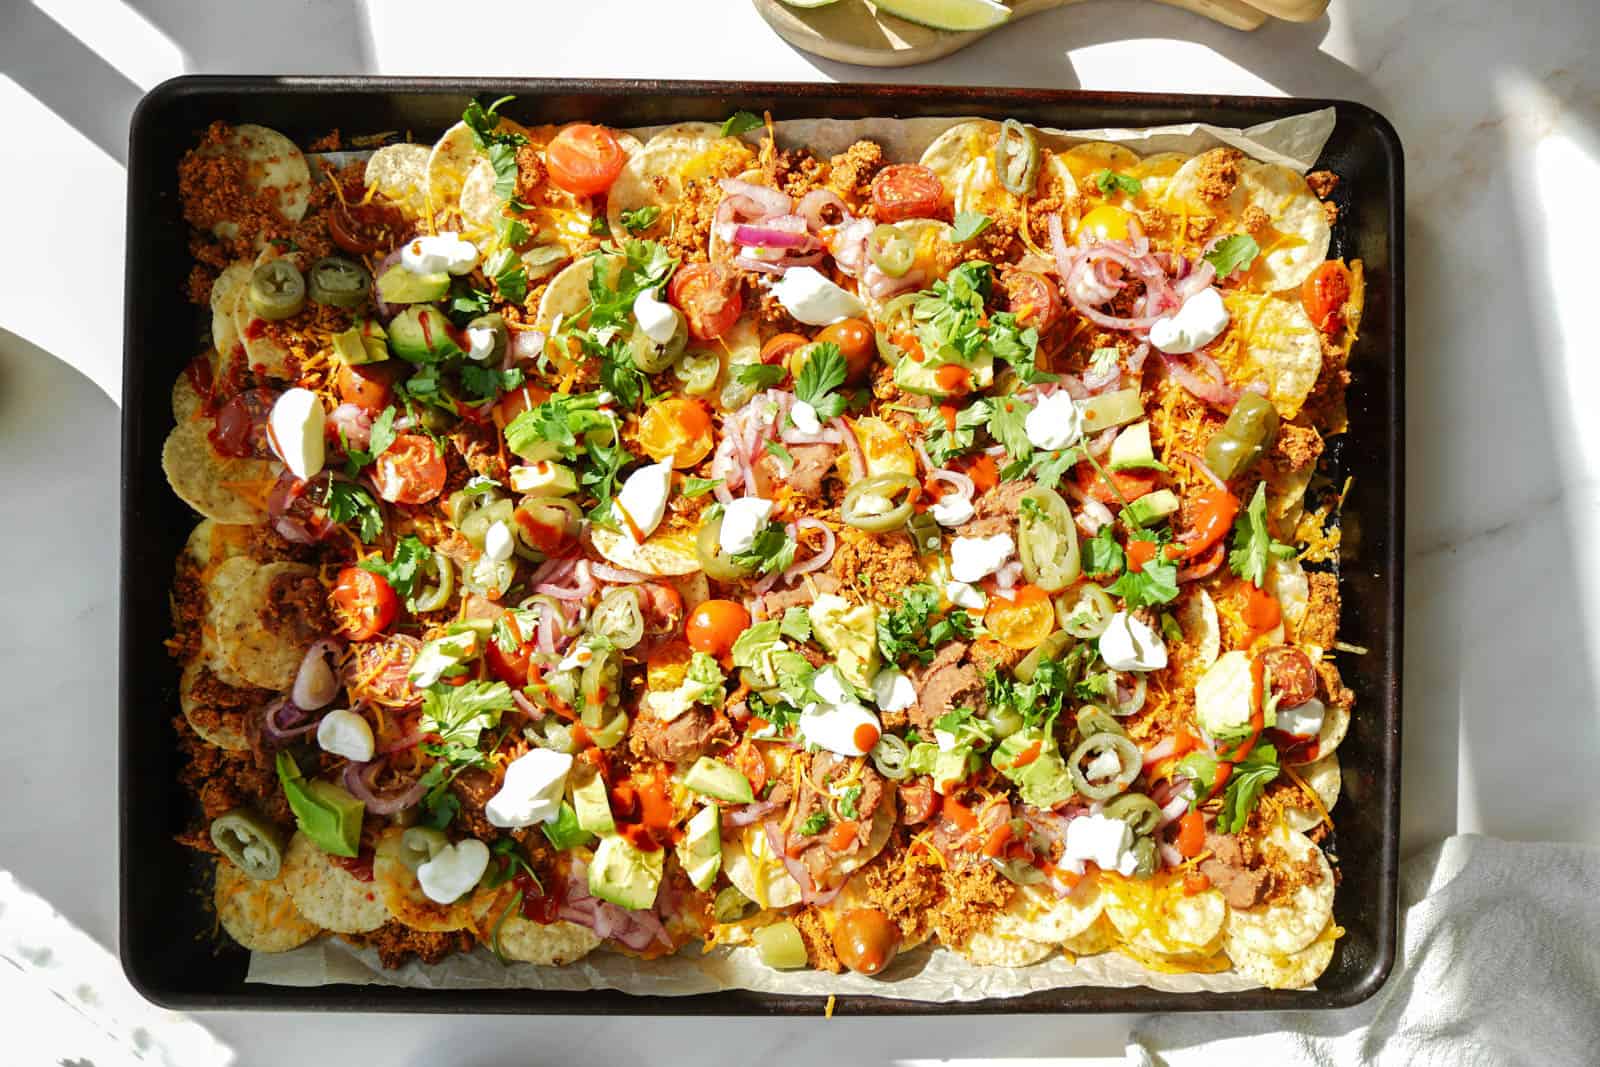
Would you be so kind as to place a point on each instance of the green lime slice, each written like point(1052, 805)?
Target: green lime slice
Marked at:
point(948, 14)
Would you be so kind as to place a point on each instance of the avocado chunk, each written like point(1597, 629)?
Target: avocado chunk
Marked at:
point(365, 342)
point(1132, 450)
point(700, 851)
point(624, 875)
point(1151, 507)
point(1224, 697)
point(1044, 780)
point(923, 376)
point(851, 634)
point(716, 779)
point(593, 807)
point(399, 286)
point(325, 813)
point(544, 478)
point(421, 334)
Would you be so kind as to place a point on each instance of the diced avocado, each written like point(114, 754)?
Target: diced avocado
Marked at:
point(716, 779)
point(700, 851)
point(593, 806)
point(399, 286)
point(563, 831)
point(950, 768)
point(1151, 507)
point(544, 479)
point(624, 875)
point(923, 376)
point(851, 634)
point(1043, 781)
point(365, 342)
point(1224, 697)
point(421, 334)
point(1132, 450)
point(1111, 409)
point(325, 813)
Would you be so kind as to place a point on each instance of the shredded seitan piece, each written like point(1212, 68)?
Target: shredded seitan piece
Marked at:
point(813, 926)
point(1218, 173)
point(877, 566)
point(1321, 623)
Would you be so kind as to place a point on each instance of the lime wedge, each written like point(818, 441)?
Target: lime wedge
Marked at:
point(809, 3)
point(948, 14)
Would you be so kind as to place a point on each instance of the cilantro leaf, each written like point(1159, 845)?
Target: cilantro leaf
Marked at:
point(1253, 545)
point(1017, 346)
point(349, 502)
point(486, 383)
point(1245, 786)
point(1156, 582)
point(781, 454)
point(1040, 699)
point(382, 437)
point(847, 801)
point(945, 439)
point(1234, 252)
point(815, 823)
point(499, 145)
point(739, 122)
point(467, 302)
point(479, 484)
point(825, 370)
point(796, 624)
point(914, 628)
point(401, 571)
point(509, 275)
point(641, 219)
point(1049, 467)
point(693, 486)
point(1007, 425)
point(563, 420)
point(771, 551)
point(1107, 180)
point(621, 375)
point(1102, 555)
point(968, 224)
point(460, 713)
point(1101, 360)
point(760, 375)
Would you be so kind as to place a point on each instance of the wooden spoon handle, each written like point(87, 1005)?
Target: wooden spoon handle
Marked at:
point(1234, 13)
point(1292, 10)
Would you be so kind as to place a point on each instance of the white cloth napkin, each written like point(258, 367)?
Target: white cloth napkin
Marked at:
point(1499, 964)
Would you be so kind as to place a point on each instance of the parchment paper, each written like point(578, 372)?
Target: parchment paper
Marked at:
point(926, 974)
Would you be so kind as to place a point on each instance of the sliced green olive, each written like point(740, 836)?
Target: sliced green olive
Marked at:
point(781, 946)
point(339, 282)
point(698, 371)
point(436, 597)
point(419, 844)
point(618, 618)
point(1129, 760)
point(1052, 647)
point(1244, 438)
point(1087, 614)
point(653, 358)
point(891, 250)
point(1141, 813)
point(1016, 157)
point(1047, 540)
point(880, 487)
point(250, 841)
point(718, 565)
point(600, 686)
point(277, 290)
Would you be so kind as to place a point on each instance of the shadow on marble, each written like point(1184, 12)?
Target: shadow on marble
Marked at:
point(97, 100)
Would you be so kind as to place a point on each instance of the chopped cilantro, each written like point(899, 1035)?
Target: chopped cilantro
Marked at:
point(510, 277)
point(1253, 545)
point(846, 802)
point(1108, 180)
point(772, 550)
point(401, 571)
point(487, 383)
point(914, 628)
point(1102, 556)
point(796, 624)
point(693, 486)
point(349, 502)
point(382, 437)
point(815, 823)
point(1007, 425)
point(500, 146)
point(760, 375)
point(945, 438)
point(825, 370)
point(1155, 582)
point(739, 122)
point(1234, 252)
point(640, 219)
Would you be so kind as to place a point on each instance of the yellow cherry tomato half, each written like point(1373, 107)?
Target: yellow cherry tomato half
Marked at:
point(677, 429)
point(1022, 620)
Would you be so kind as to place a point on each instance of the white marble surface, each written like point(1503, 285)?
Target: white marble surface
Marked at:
point(1497, 104)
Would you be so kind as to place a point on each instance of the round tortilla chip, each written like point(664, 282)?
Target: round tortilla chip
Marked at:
point(654, 175)
point(265, 652)
point(329, 895)
point(211, 543)
point(403, 895)
point(665, 554)
point(225, 579)
point(1325, 777)
point(1099, 937)
point(233, 280)
point(549, 945)
point(1155, 172)
point(1091, 157)
point(749, 863)
point(992, 949)
point(1184, 189)
point(259, 915)
point(1294, 970)
point(222, 735)
point(1035, 913)
point(1293, 590)
point(568, 292)
point(1286, 926)
point(400, 173)
point(1158, 917)
point(1335, 724)
point(449, 165)
point(1297, 216)
point(1279, 346)
point(186, 402)
point(934, 251)
point(1197, 616)
point(202, 478)
point(272, 164)
point(479, 204)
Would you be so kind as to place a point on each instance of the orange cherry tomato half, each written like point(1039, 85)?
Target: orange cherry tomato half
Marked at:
point(410, 472)
point(709, 297)
point(1023, 620)
point(715, 625)
point(368, 388)
point(1033, 299)
point(519, 400)
point(857, 342)
point(364, 603)
point(776, 351)
point(678, 428)
point(1324, 295)
point(584, 159)
point(906, 191)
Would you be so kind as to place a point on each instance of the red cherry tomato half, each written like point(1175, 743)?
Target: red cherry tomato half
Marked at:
point(584, 159)
point(709, 297)
point(1324, 295)
point(906, 191)
point(410, 472)
point(364, 603)
point(1033, 299)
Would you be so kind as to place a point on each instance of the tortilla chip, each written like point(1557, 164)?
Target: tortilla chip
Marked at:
point(221, 586)
point(204, 479)
point(1293, 590)
point(1183, 191)
point(399, 172)
point(403, 895)
point(1297, 242)
point(186, 402)
point(1155, 915)
point(272, 164)
point(259, 915)
point(329, 895)
point(1099, 937)
point(655, 174)
point(1197, 616)
point(568, 292)
point(265, 653)
point(1286, 926)
point(1035, 913)
point(1325, 778)
point(225, 291)
point(547, 944)
point(1278, 345)
point(1294, 970)
point(662, 554)
point(221, 735)
point(1155, 172)
point(754, 870)
point(988, 949)
point(449, 165)
point(211, 543)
